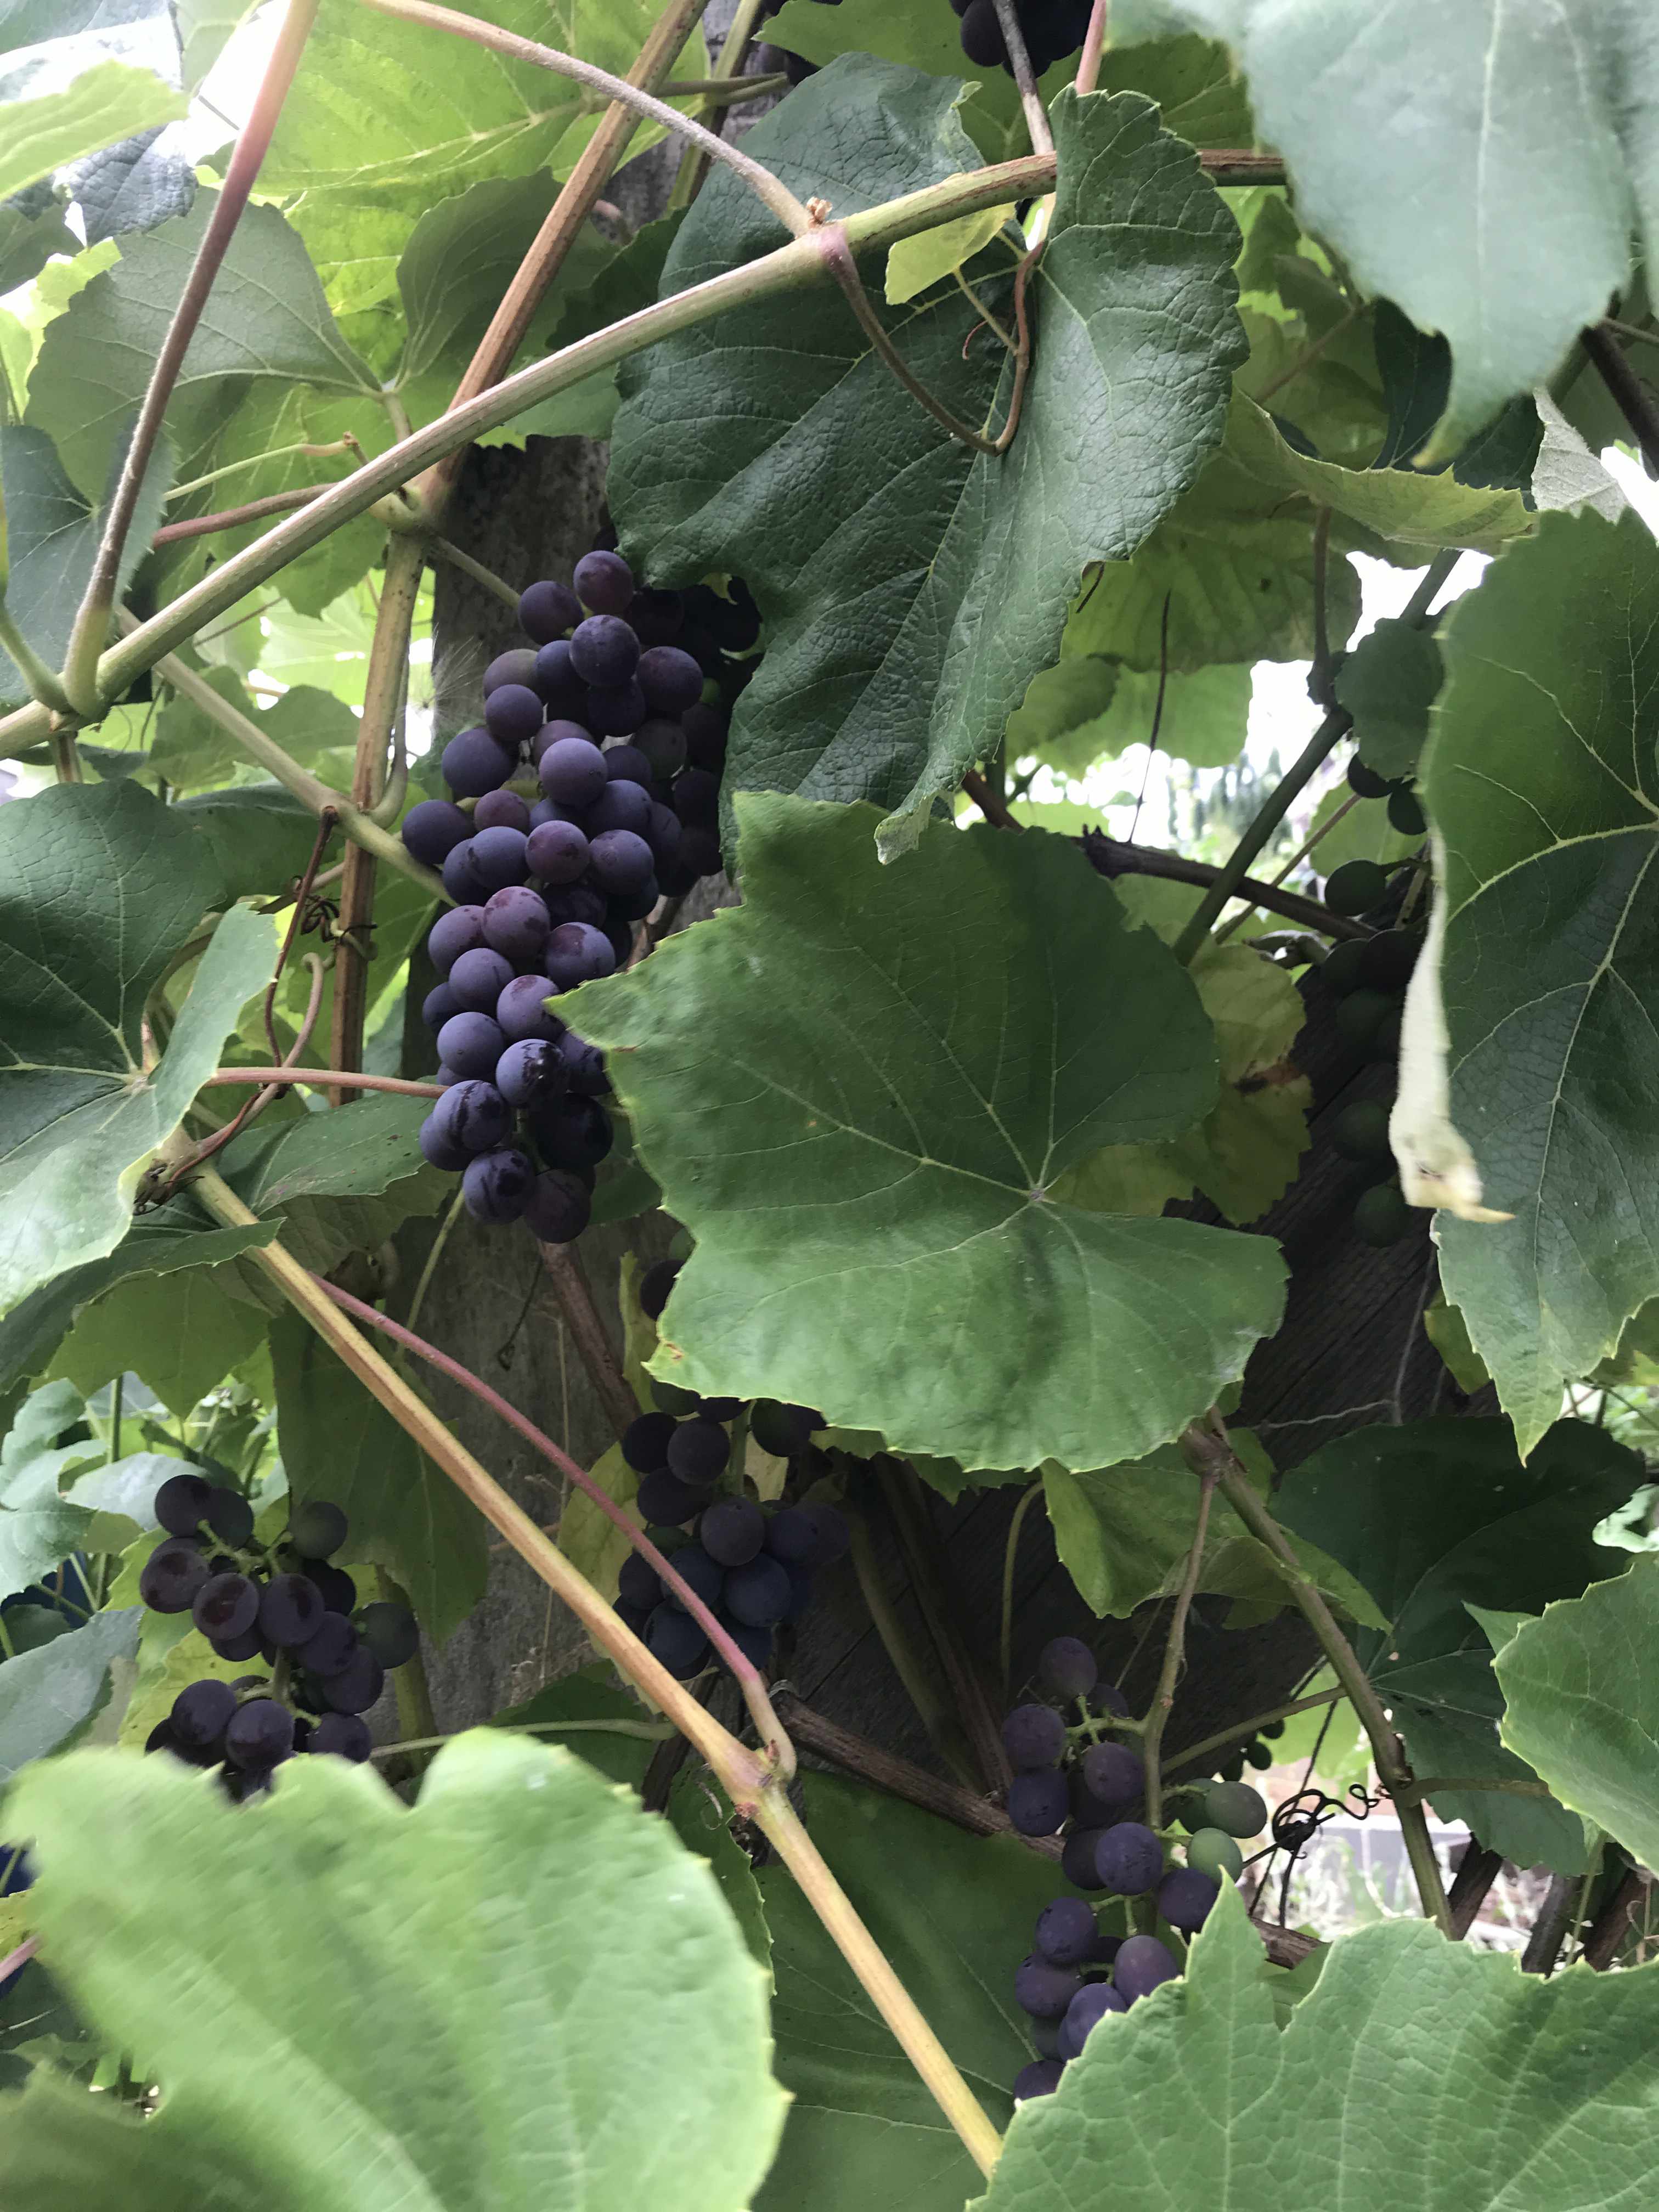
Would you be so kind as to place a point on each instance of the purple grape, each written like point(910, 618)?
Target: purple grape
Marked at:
point(700, 852)
point(432, 830)
point(471, 1044)
point(479, 978)
point(473, 762)
point(522, 1013)
point(181, 1503)
point(357, 1686)
point(832, 1539)
point(1044, 1990)
point(1066, 1668)
point(621, 805)
point(603, 651)
point(497, 1185)
point(1077, 1860)
point(547, 610)
point(661, 746)
point(1038, 1802)
point(578, 953)
point(228, 1515)
point(529, 1070)
point(758, 1594)
point(459, 931)
point(391, 1632)
point(718, 1409)
point(1129, 1859)
point(626, 763)
point(674, 1638)
point(557, 852)
point(1113, 1776)
point(702, 1574)
point(697, 798)
point(1105, 1698)
point(637, 1582)
point(623, 909)
point(655, 1284)
point(645, 1441)
point(472, 1116)
point(1065, 1932)
point(574, 1134)
point(329, 1648)
point(201, 1713)
point(784, 1431)
point(616, 712)
point(339, 1591)
point(439, 1004)
point(653, 616)
point(790, 1535)
point(560, 1207)
point(1034, 1736)
point(559, 685)
point(622, 862)
point(1040, 2078)
point(260, 1733)
point(248, 1645)
point(732, 1530)
point(577, 902)
point(461, 880)
point(572, 769)
point(698, 1452)
point(516, 925)
point(671, 680)
point(226, 1606)
point(666, 1502)
point(1087, 2010)
point(584, 1064)
point(317, 1528)
point(499, 857)
point(705, 738)
point(291, 1611)
point(501, 809)
point(1184, 1898)
point(605, 582)
point(634, 1615)
point(755, 1643)
point(341, 1736)
point(516, 665)
point(512, 715)
point(439, 1148)
point(1141, 1966)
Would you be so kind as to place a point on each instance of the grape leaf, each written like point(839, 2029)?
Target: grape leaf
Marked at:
point(49, 534)
point(1388, 683)
point(855, 1091)
point(50, 1695)
point(900, 640)
point(99, 885)
point(371, 2043)
point(39, 1527)
point(76, 75)
point(211, 1327)
point(861, 2128)
point(1412, 141)
point(265, 318)
point(1432, 1517)
point(132, 185)
point(1085, 709)
point(1540, 776)
point(1199, 2097)
point(1582, 1702)
point(338, 1442)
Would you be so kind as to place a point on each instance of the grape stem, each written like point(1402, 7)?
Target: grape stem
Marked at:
point(564, 1271)
point(20, 1957)
point(1245, 1730)
point(771, 190)
point(1175, 1650)
point(755, 1783)
point(1094, 44)
point(734, 51)
point(92, 620)
point(649, 1731)
point(1208, 1451)
point(318, 1078)
point(1011, 1546)
point(1020, 61)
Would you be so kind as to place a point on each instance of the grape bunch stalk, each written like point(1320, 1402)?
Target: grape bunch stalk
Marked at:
point(1072, 1777)
point(286, 1603)
point(589, 791)
point(1051, 29)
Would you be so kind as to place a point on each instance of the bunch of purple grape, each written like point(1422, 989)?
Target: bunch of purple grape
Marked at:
point(1073, 1778)
point(287, 1604)
point(593, 789)
point(1051, 29)
point(752, 1565)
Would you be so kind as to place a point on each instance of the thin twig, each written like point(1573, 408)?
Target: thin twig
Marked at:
point(1309, 354)
point(255, 510)
point(1549, 1930)
point(930, 1707)
point(205, 1152)
point(1629, 394)
point(771, 190)
point(295, 924)
point(1020, 61)
point(1208, 1450)
point(438, 549)
point(564, 1270)
point(1175, 1651)
point(1477, 1870)
point(906, 1500)
point(92, 620)
point(321, 1078)
point(1094, 44)
point(1011, 1546)
point(43, 684)
point(1112, 857)
point(1613, 1922)
point(1158, 715)
point(347, 444)
point(990, 802)
point(831, 239)
point(1308, 845)
point(1242, 1731)
point(728, 67)
point(1319, 676)
point(901, 1778)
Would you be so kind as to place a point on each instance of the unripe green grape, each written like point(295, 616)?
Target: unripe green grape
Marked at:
point(1405, 815)
point(1360, 1132)
point(1236, 1808)
point(1341, 968)
point(1381, 1215)
point(1361, 1015)
point(1355, 887)
point(1212, 1851)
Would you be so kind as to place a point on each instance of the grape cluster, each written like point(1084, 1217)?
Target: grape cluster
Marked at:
point(590, 791)
point(1073, 1778)
point(287, 1604)
point(1051, 29)
point(752, 1565)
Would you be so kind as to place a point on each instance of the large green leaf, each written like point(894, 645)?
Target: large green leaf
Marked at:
point(39, 1526)
point(1412, 136)
point(1085, 709)
point(339, 1443)
point(1388, 683)
point(49, 534)
point(912, 587)
point(862, 2130)
point(50, 1695)
point(1436, 1517)
point(99, 885)
point(1581, 1692)
point(76, 75)
point(1542, 778)
point(856, 1091)
point(265, 318)
point(1198, 2097)
point(458, 1996)
point(209, 1326)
